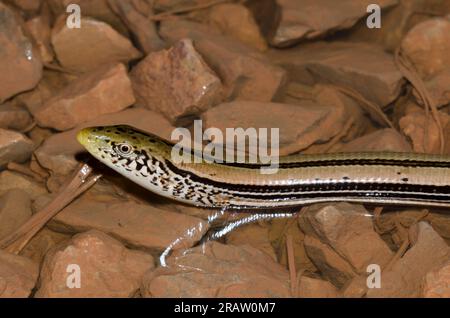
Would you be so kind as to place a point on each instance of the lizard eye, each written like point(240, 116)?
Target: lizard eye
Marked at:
point(124, 149)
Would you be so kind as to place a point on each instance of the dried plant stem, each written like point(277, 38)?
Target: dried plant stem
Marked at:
point(382, 118)
point(408, 71)
point(80, 182)
point(291, 264)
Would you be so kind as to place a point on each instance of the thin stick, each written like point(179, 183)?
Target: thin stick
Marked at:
point(408, 71)
point(383, 119)
point(80, 182)
point(291, 263)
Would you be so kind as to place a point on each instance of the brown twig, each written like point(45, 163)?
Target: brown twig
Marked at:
point(291, 263)
point(80, 182)
point(409, 72)
point(382, 118)
point(402, 249)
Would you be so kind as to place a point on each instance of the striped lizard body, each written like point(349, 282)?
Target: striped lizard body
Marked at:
point(380, 178)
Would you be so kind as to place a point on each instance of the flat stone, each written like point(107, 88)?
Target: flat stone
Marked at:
point(41, 243)
point(302, 20)
point(437, 283)
point(397, 22)
point(219, 271)
point(58, 152)
point(20, 64)
point(245, 72)
point(18, 275)
point(427, 46)
point(98, 9)
point(176, 82)
point(404, 279)
point(13, 180)
point(331, 265)
point(387, 139)
point(316, 288)
point(14, 147)
point(39, 28)
point(299, 126)
point(344, 64)
point(105, 90)
point(422, 130)
point(15, 210)
point(93, 45)
point(134, 15)
point(106, 267)
point(139, 225)
point(237, 21)
point(347, 228)
point(13, 117)
point(254, 235)
point(438, 87)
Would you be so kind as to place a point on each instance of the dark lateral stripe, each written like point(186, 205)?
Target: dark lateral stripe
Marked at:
point(355, 194)
point(300, 188)
point(346, 162)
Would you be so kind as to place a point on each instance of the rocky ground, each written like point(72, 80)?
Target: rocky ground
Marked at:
point(312, 68)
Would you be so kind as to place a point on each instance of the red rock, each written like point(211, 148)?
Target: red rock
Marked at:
point(94, 44)
point(396, 22)
point(427, 46)
point(236, 21)
point(166, 5)
point(18, 275)
point(283, 230)
point(107, 268)
point(105, 90)
point(344, 64)
point(437, 283)
point(20, 64)
point(438, 88)
point(332, 266)
point(218, 271)
point(414, 125)
point(58, 151)
point(143, 29)
point(308, 19)
point(346, 228)
point(254, 235)
point(51, 83)
point(356, 288)
point(299, 125)
point(404, 279)
point(26, 5)
point(98, 9)
point(41, 243)
point(12, 117)
point(316, 288)
point(246, 73)
point(381, 140)
point(15, 209)
point(176, 82)
point(14, 146)
point(39, 29)
point(139, 225)
point(13, 180)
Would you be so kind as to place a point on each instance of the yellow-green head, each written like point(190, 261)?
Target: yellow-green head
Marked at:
point(123, 148)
